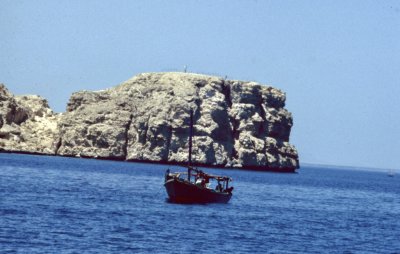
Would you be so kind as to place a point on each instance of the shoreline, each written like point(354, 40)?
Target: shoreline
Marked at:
point(166, 163)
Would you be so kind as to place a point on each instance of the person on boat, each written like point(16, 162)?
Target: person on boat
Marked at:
point(201, 182)
point(206, 183)
point(218, 187)
point(167, 174)
point(198, 180)
point(229, 190)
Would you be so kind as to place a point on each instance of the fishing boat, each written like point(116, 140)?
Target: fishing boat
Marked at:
point(194, 185)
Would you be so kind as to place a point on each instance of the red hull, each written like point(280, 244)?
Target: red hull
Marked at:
point(181, 191)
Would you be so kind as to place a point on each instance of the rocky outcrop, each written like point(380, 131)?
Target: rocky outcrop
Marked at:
point(240, 124)
point(236, 123)
point(95, 125)
point(27, 124)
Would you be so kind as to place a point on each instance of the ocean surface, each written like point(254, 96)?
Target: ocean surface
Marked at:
point(71, 205)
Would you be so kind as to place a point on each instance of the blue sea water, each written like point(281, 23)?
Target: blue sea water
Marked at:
point(70, 205)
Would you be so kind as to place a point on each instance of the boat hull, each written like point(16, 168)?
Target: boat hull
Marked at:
point(181, 191)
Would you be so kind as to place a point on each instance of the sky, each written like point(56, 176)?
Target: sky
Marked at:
point(338, 61)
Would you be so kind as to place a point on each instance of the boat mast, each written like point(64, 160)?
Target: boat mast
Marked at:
point(190, 143)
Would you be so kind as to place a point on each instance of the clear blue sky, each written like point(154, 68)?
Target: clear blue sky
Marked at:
point(338, 61)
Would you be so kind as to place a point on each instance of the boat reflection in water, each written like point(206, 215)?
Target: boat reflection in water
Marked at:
point(194, 186)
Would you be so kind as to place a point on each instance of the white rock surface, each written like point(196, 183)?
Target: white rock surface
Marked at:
point(27, 124)
point(146, 118)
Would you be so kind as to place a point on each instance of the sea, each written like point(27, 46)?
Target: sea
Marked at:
point(73, 205)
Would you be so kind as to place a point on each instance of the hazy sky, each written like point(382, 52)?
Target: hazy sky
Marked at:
point(338, 61)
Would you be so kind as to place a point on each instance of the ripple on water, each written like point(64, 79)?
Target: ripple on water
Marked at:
point(56, 205)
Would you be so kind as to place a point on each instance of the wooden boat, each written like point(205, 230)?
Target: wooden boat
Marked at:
point(194, 186)
point(185, 190)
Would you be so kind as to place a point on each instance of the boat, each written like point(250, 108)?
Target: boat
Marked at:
point(391, 173)
point(194, 185)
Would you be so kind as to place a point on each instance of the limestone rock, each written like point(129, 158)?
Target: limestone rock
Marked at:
point(28, 124)
point(146, 118)
point(94, 126)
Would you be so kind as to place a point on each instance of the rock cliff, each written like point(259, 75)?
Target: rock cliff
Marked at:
point(27, 124)
point(146, 118)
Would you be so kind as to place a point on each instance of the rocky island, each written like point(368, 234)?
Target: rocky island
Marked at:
point(146, 118)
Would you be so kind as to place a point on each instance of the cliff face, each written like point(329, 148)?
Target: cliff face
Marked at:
point(27, 124)
point(239, 124)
